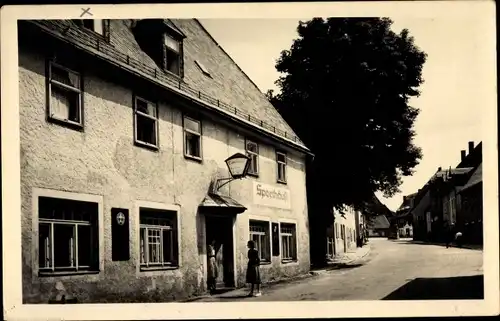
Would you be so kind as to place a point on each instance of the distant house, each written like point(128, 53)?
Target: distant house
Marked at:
point(378, 226)
point(438, 204)
point(403, 220)
point(471, 212)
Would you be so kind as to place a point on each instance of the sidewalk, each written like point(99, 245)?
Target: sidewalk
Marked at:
point(346, 260)
point(464, 246)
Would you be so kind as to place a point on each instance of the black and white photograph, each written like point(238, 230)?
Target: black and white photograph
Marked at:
point(270, 156)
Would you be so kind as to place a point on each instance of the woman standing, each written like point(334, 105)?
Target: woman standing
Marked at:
point(253, 271)
point(212, 272)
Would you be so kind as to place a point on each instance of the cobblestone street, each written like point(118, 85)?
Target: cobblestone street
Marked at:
point(394, 270)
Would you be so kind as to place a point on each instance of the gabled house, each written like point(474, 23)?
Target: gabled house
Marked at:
point(125, 128)
point(470, 217)
point(378, 226)
point(403, 219)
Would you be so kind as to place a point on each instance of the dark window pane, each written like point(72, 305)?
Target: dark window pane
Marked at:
point(146, 129)
point(44, 258)
point(192, 145)
point(64, 76)
point(168, 243)
point(252, 147)
point(84, 246)
point(64, 245)
point(146, 107)
point(173, 62)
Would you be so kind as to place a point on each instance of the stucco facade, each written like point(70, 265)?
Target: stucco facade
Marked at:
point(101, 164)
point(341, 236)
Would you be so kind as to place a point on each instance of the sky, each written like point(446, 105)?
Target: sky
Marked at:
point(450, 110)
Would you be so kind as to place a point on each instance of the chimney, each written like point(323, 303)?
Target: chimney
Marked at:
point(471, 147)
point(462, 155)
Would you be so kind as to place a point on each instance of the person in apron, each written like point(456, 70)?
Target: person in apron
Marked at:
point(212, 272)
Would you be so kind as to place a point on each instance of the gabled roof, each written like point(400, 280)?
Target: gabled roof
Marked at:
point(379, 222)
point(476, 178)
point(228, 90)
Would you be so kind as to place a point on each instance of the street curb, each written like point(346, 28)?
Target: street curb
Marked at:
point(339, 266)
point(468, 247)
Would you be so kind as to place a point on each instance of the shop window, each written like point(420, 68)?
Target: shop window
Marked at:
point(192, 138)
point(288, 242)
point(158, 239)
point(281, 167)
point(67, 235)
point(259, 233)
point(65, 103)
point(146, 122)
point(252, 150)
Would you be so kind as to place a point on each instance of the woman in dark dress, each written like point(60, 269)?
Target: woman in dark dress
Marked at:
point(253, 272)
point(212, 267)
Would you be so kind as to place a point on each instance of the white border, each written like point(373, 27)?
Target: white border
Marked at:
point(11, 196)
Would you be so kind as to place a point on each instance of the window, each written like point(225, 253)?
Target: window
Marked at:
point(288, 242)
point(65, 95)
point(281, 162)
point(99, 26)
point(192, 138)
point(252, 150)
point(146, 122)
point(158, 239)
point(67, 235)
point(172, 55)
point(259, 233)
point(203, 69)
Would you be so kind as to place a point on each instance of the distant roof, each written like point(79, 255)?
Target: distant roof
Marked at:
point(379, 221)
point(476, 178)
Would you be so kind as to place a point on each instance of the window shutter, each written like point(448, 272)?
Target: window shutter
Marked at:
point(181, 59)
point(106, 27)
point(175, 246)
point(120, 248)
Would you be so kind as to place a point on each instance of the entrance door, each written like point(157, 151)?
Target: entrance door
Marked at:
point(220, 229)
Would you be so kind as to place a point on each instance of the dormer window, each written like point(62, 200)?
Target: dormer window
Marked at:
point(172, 55)
point(98, 26)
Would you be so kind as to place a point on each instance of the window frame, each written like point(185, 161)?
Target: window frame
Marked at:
point(281, 163)
point(250, 154)
point(61, 86)
point(185, 131)
point(290, 236)
point(180, 53)
point(105, 28)
point(96, 235)
point(144, 242)
point(141, 114)
point(266, 235)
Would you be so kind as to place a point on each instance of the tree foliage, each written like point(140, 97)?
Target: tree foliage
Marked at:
point(345, 89)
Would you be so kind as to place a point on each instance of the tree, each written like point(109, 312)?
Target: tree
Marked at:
point(345, 90)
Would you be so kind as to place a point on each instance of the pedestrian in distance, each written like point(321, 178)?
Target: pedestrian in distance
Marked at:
point(449, 235)
point(458, 239)
point(253, 269)
point(211, 267)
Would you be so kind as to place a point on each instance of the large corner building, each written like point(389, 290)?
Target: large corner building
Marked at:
point(125, 126)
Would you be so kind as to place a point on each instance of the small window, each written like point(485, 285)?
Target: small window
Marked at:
point(252, 150)
point(172, 55)
point(281, 167)
point(158, 239)
point(67, 235)
point(259, 233)
point(146, 122)
point(96, 25)
point(288, 242)
point(202, 68)
point(192, 138)
point(65, 95)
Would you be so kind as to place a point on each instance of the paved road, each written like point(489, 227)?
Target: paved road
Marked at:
point(394, 270)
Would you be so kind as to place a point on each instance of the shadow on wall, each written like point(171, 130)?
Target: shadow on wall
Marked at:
point(451, 288)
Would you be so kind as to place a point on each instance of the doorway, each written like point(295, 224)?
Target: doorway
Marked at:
point(220, 229)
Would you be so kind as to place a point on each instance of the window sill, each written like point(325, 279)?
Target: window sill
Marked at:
point(256, 175)
point(281, 182)
point(146, 145)
point(289, 261)
point(193, 158)
point(265, 263)
point(66, 123)
point(65, 273)
point(158, 268)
